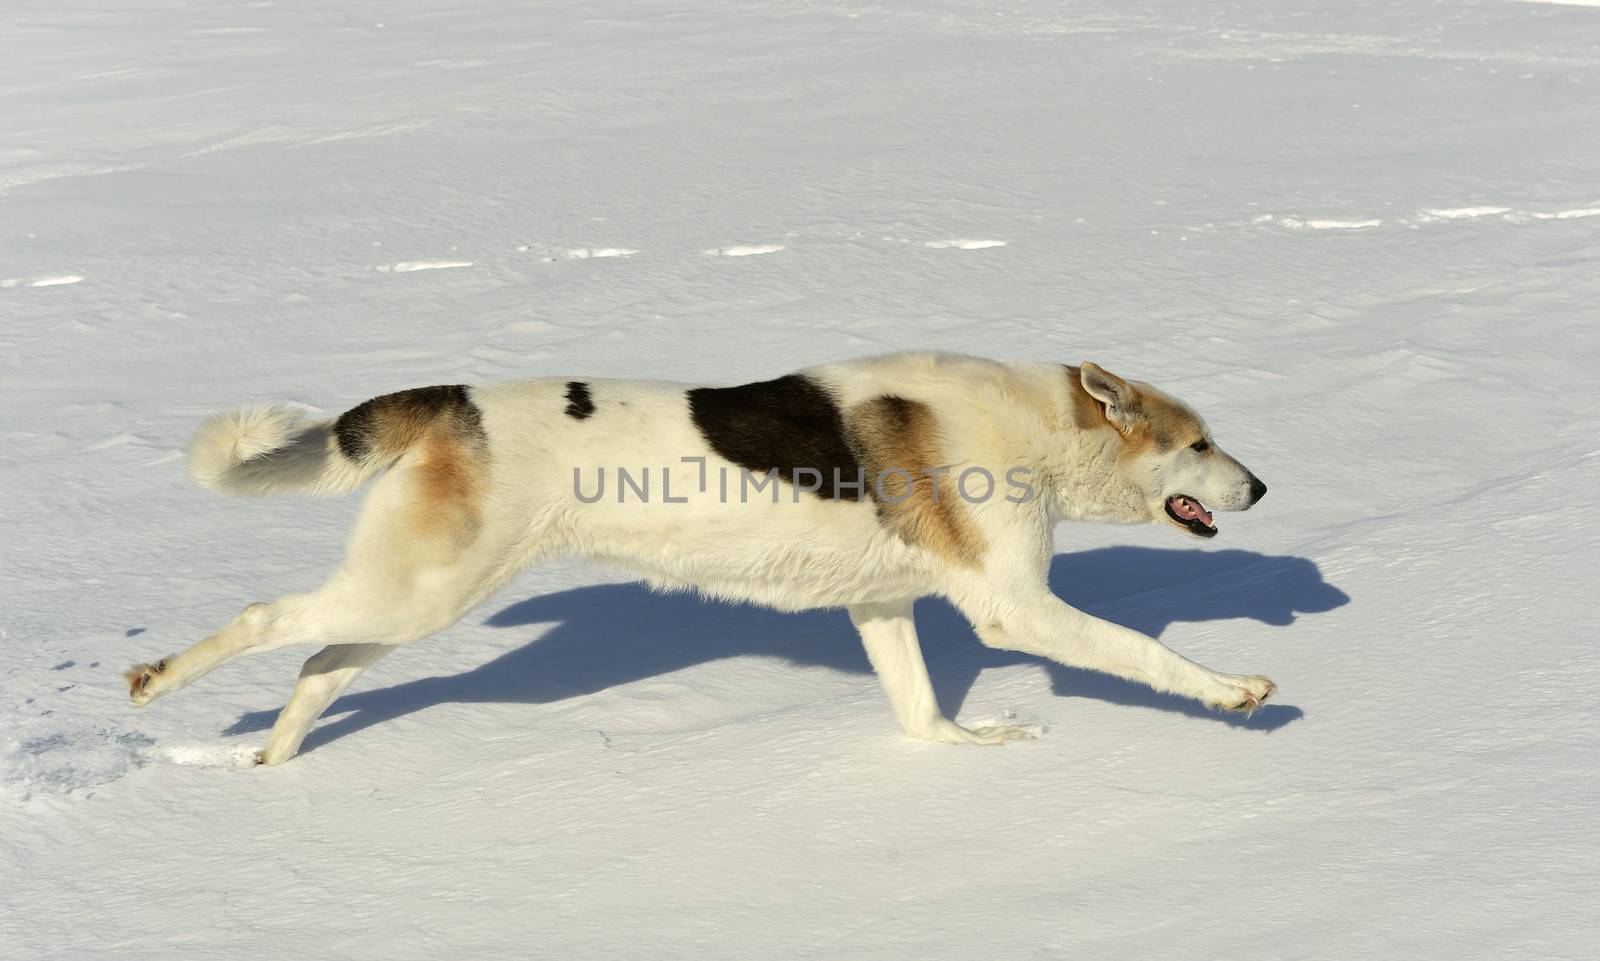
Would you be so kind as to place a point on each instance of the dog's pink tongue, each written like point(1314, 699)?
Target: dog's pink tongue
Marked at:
point(1190, 509)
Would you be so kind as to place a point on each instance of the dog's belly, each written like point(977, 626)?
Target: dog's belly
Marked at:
point(788, 556)
point(791, 590)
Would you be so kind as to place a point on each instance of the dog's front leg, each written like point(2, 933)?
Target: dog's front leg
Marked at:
point(1038, 622)
point(889, 634)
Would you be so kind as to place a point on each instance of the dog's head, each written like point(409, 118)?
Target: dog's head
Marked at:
point(1168, 467)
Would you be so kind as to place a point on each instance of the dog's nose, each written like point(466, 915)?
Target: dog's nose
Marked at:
point(1258, 490)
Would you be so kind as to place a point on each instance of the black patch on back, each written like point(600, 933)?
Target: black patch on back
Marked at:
point(392, 419)
point(579, 404)
point(788, 423)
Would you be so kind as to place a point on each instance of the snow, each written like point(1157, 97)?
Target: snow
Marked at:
point(406, 266)
point(204, 204)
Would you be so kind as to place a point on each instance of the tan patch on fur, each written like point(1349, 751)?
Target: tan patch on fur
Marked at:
point(1161, 425)
point(449, 472)
point(1087, 413)
point(899, 435)
point(390, 425)
point(438, 432)
point(401, 423)
point(1166, 424)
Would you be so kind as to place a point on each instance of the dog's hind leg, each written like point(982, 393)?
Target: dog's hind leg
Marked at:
point(324, 677)
point(423, 553)
point(889, 633)
point(259, 627)
point(345, 611)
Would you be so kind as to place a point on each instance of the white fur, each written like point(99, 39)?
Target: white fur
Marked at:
point(397, 586)
point(271, 450)
point(227, 440)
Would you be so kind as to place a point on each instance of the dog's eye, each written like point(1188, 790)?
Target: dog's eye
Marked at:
point(1200, 446)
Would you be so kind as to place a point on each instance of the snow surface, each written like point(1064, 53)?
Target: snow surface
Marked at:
point(1357, 235)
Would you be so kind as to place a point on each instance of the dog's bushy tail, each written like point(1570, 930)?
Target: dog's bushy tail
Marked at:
point(274, 450)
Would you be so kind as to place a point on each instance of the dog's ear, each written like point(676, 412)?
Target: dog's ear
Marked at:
point(1120, 399)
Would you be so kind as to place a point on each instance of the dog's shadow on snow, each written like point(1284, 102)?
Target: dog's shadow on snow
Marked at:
point(612, 634)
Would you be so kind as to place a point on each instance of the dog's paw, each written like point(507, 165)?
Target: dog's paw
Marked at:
point(144, 681)
point(946, 731)
point(1243, 693)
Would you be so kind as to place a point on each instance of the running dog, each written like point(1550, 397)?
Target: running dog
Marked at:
point(864, 484)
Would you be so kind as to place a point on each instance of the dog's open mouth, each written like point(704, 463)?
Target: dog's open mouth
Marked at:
point(1192, 514)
